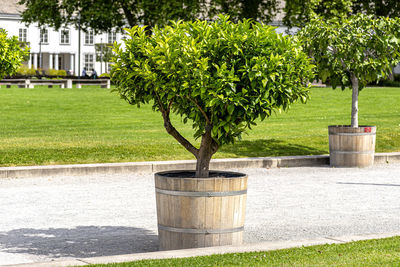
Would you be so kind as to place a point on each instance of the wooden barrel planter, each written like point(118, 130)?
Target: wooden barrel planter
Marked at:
point(352, 147)
point(200, 212)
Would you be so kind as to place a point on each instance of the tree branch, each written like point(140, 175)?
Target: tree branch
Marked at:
point(201, 110)
point(334, 50)
point(171, 129)
point(128, 14)
point(182, 140)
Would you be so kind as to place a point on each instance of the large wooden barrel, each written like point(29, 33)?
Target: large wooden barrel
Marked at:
point(200, 212)
point(352, 147)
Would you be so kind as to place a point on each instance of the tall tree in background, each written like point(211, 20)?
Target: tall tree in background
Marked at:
point(385, 8)
point(104, 15)
point(298, 12)
point(258, 10)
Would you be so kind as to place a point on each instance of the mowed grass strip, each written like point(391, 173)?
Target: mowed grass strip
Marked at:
point(91, 125)
point(377, 252)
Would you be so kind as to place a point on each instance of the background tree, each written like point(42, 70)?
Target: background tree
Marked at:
point(298, 13)
point(11, 54)
point(258, 10)
point(353, 52)
point(104, 15)
point(219, 75)
point(385, 8)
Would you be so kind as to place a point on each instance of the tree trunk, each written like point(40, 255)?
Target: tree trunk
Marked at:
point(354, 102)
point(207, 149)
point(203, 164)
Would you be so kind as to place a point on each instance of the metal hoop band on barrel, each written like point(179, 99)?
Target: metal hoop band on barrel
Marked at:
point(200, 231)
point(200, 194)
point(353, 152)
point(355, 134)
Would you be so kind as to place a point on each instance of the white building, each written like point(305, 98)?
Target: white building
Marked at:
point(51, 49)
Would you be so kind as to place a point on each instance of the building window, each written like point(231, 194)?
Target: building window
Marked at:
point(64, 36)
point(44, 36)
point(22, 35)
point(89, 61)
point(112, 37)
point(89, 37)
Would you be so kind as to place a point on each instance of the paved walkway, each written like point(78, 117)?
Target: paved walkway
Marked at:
point(62, 217)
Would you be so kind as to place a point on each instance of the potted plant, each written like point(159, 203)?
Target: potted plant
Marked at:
point(352, 53)
point(222, 77)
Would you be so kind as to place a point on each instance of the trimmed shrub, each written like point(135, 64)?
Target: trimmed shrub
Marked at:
point(219, 75)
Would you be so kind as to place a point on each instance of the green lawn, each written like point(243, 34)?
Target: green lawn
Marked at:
point(61, 126)
point(378, 252)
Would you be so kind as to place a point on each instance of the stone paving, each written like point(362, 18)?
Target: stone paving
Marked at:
point(65, 217)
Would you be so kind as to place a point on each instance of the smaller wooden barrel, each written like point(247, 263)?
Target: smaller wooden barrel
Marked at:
point(351, 147)
point(200, 212)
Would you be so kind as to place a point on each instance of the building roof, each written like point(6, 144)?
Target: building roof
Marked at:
point(10, 7)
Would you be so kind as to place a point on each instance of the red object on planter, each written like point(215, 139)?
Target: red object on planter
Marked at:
point(367, 129)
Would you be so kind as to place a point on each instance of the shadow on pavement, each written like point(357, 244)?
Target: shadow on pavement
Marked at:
point(82, 241)
point(370, 184)
point(269, 147)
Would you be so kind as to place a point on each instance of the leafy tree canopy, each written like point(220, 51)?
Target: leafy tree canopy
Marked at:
point(385, 8)
point(359, 45)
point(353, 51)
point(258, 10)
point(298, 12)
point(220, 76)
point(11, 54)
point(104, 15)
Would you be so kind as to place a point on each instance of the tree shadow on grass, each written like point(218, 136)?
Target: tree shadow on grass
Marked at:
point(269, 148)
point(79, 242)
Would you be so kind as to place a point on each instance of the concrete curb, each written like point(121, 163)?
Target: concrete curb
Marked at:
point(184, 253)
point(156, 166)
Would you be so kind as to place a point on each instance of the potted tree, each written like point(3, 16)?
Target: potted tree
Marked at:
point(11, 54)
point(222, 77)
point(352, 53)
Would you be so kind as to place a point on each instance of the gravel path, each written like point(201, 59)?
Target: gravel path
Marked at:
point(85, 216)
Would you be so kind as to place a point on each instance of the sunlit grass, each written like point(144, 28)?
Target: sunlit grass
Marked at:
point(378, 252)
point(88, 125)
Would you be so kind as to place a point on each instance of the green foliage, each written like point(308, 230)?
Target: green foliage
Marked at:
point(259, 10)
point(104, 75)
point(24, 70)
point(360, 45)
point(298, 13)
point(386, 8)
point(53, 72)
point(11, 54)
point(62, 73)
point(220, 74)
point(105, 15)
